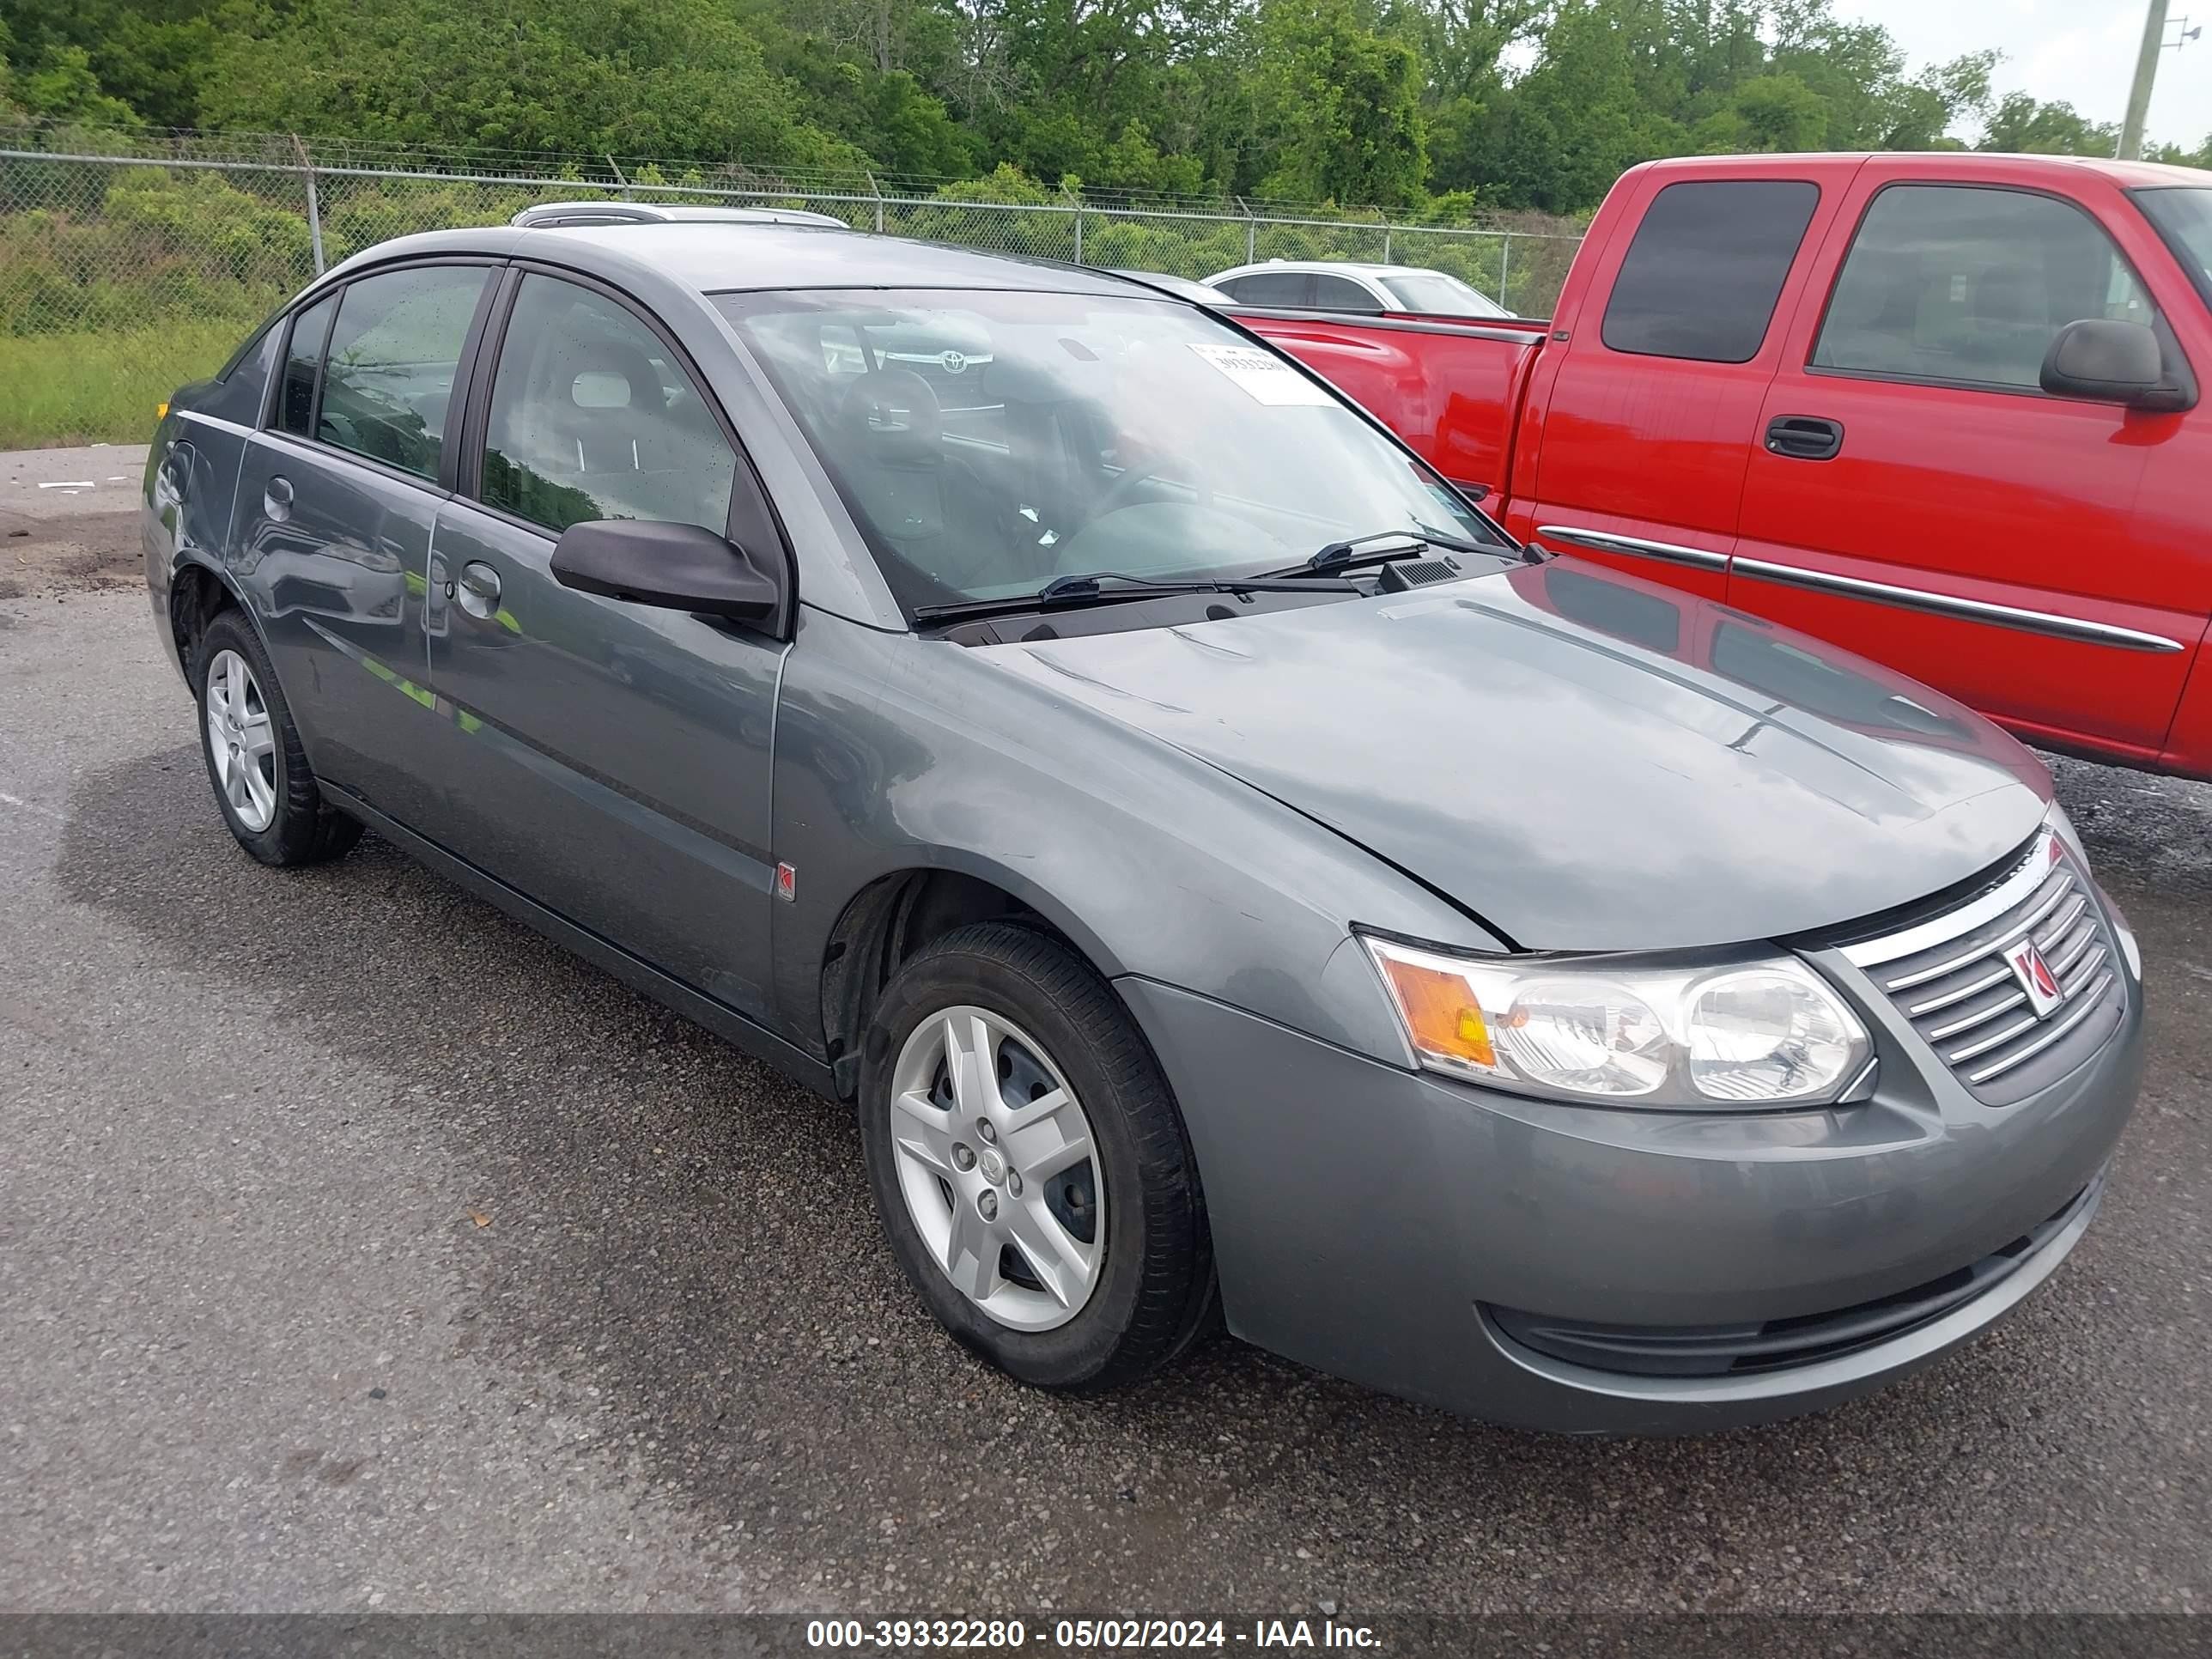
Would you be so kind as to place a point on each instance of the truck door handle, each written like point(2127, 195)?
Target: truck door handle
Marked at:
point(479, 595)
point(1805, 437)
point(277, 498)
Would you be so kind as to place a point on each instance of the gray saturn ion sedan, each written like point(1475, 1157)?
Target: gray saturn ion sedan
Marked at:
point(1231, 880)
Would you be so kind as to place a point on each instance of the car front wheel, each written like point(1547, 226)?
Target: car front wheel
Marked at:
point(1030, 1164)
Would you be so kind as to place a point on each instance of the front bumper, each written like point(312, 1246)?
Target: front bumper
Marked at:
point(1365, 1215)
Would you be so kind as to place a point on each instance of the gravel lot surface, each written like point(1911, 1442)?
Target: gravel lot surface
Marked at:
point(359, 1250)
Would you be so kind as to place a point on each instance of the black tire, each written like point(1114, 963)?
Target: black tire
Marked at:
point(306, 828)
point(1155, 1294)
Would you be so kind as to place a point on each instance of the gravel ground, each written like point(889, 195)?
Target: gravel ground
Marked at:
point(359, 1250)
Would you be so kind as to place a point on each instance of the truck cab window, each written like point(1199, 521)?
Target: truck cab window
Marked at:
point(1701, 278)
point(1968, 285)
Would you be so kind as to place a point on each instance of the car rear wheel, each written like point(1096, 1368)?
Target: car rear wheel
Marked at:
point(1028, 1163)
point(268, 795)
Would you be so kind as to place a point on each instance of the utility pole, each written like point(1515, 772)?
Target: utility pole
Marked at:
point(2153, 42)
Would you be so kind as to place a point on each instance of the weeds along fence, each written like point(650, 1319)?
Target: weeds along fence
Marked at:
point(103, 233)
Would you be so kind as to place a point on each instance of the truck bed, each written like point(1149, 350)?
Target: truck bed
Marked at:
point(1451, 390)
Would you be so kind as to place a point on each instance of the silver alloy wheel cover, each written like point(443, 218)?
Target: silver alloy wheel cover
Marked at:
point(242, 741)
point(1035, 1141)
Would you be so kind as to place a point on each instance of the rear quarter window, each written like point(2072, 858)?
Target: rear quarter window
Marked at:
point(303, 364)
point(1707, 265)
point(241, 392)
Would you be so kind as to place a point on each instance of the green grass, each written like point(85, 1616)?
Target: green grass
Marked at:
point(91, 388)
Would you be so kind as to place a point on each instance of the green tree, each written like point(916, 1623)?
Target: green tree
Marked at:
point(1340, 104)
point(1533, 104)
point(1858, 70)
point(1767, 112)
point(1577, 120)
point(679, 78)
point(64, 88)
point(2023, 125)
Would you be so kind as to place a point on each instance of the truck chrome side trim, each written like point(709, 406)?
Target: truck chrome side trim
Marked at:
point(1604, 541)
point(1952, 604)
point(1465, 330)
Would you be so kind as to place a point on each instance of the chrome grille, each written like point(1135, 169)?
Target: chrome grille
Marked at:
point(1949, 977)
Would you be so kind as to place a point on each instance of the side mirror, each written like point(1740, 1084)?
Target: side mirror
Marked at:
point(679, 567)
point(2109, 362)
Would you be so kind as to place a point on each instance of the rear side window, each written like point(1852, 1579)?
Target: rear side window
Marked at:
point(590, 419)
point(392, 356)
point(1271, 287)
point(303, 359)
point(1968, 285)
point(1707, 265)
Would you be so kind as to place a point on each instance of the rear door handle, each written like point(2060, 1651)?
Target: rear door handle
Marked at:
point(479, 588)
point(1805, 437)
point(277, 498)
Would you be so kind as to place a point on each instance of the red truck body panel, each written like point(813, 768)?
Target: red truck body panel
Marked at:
point(2045, 560)
point(1450, 389)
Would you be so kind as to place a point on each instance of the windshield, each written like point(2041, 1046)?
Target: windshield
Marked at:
point(986, 443)
point(2182, 213)
point(1434, 292)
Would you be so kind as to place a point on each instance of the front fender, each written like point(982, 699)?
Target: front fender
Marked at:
point(896, 754)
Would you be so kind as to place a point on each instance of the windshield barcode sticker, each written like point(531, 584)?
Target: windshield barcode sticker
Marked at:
point(1263, 378)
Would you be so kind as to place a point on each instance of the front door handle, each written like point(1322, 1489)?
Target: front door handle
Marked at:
point(277, 498)
point(1805, 437)
point(479, 589)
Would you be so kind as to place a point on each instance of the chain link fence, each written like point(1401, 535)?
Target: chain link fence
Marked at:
point(126, 249)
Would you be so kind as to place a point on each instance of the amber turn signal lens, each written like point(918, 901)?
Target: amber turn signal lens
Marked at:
point(1441, 1012)
point(160, 410)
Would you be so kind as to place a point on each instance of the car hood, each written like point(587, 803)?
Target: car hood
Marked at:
point(1683, 775)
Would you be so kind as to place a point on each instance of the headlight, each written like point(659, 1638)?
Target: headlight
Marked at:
point(2056, 818)
point(1765, 1033)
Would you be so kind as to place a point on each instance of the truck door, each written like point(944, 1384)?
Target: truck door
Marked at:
point(1916, 495)
point(1646, 404)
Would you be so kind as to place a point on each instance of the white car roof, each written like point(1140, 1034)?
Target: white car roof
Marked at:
point(1328, 267)
point(668, 213)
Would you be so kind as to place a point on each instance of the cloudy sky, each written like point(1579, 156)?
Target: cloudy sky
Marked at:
point(2083, 52)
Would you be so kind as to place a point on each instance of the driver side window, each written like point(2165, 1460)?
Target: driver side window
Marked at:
point(590, 419)
point(1968, 285)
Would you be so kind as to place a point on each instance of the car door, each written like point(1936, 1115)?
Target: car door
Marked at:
point(1918, 498)
point(608, 759)
point(1646, 416)
point(335, 502)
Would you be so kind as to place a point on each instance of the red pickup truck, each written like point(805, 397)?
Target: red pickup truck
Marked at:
point(1943, 410)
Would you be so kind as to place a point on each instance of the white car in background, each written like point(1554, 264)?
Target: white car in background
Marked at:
point(553, 216)
point(1183, 287)
point(1331, 285)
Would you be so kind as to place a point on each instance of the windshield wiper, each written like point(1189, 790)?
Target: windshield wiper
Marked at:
point(1411, 543)
point(1072, 592)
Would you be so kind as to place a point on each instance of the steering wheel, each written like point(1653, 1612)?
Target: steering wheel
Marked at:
point(1116, 497)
